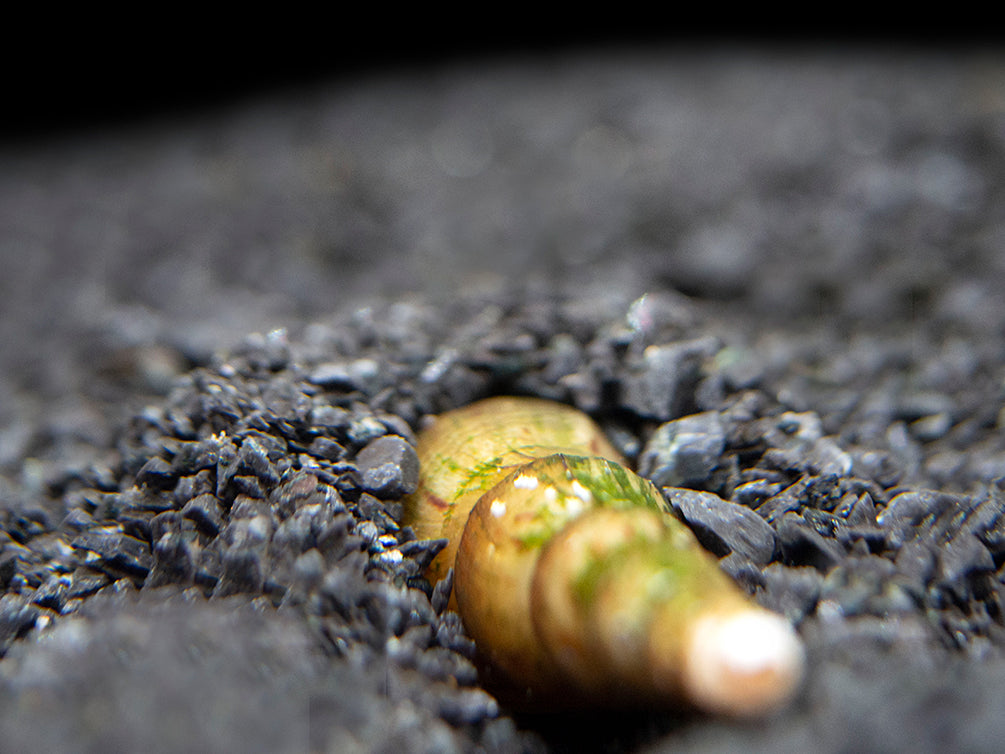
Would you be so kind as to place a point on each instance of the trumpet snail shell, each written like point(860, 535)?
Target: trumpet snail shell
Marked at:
point(574, 579)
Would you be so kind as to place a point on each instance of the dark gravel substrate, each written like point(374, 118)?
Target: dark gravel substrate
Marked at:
point(776, 280)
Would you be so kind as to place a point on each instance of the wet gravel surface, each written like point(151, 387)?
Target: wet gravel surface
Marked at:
point(775, 280)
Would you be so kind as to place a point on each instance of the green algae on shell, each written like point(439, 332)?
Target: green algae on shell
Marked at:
point(466, 452)
point(576, 582)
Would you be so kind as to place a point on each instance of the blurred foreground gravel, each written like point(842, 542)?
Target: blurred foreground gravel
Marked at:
point(774, 279)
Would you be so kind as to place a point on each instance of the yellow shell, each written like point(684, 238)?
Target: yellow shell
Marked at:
point(467, 451)
point(574, 580)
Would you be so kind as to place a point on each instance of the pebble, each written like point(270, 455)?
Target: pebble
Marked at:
point(801, 545)
point(8, 566)
point(116, 552)
point(860, 512)
point(52, 594)
point(791, 591)
point(326, 448)
point(467, 706)
point(744, 571)
point(440, 597)
point(797, 442)
point(753, 494)
point(866, 585)
point(206, 512)
point(365, 428)
point(389, 467)
point(157, 473)
point(791, 498)
point(916, 564)
point(963, 559)
point(724, 527)
point(907, 511)
point(175, 561)
point(683, 452)
point(657, 388)
point(277, 481)
point(353, 375)
point(17, 617)
point(242, 573)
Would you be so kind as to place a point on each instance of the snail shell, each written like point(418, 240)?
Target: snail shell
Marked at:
point(573, 578)
point(466, 452)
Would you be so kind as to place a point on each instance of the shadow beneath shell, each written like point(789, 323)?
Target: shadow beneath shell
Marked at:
point(605, 731)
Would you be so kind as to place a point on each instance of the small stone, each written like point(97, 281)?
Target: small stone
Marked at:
point(683, 452)
point(248, 485)
point(191, 457)
point(960, 559)
point(297, 532)
point(364, 429)
point(801, 544)
point(868, 536)
point(389, 467)
point(174, 561)
point(931, 428)
point(441, 592)
point(333, 535)
point(915, 563)
point(793, 592)
point(193, 486)
point(76, 520)
point(862, 511)
point(345, 376)
point(423, 551)
point(251, 524)
point(255, 459)
point(993, 538)
point(658, 387)
point(330, 417)
point(724, 527)
point(116, 551)
point(467, 706)
point(450, 634)
point(84, 584)
point(906, 511)
point(585, 390)
point(753, 494)
point(242, 573)
point(368, 532)
point(17, 617)
point(789, 499)
point(309, 569)
point(865, 586)
point(205, 511)
point(52, 593)
point(226, 466)
point(743, 571)
point(564, 357)
point(326, 448)
point(157, 473)
point(987, 509)
point(8, 566)
point(877, 465)
point(797, 443)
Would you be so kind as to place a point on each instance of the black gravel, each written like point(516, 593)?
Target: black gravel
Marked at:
point(774, 280)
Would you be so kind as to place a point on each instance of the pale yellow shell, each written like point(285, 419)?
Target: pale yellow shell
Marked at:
point(574, 580)
point(467, 451)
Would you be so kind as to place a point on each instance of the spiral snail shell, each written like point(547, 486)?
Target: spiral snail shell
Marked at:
point(573, 578)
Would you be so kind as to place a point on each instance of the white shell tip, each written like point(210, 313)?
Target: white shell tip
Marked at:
point(744, 663)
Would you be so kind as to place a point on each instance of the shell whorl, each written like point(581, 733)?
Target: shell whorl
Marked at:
point(573, 578)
